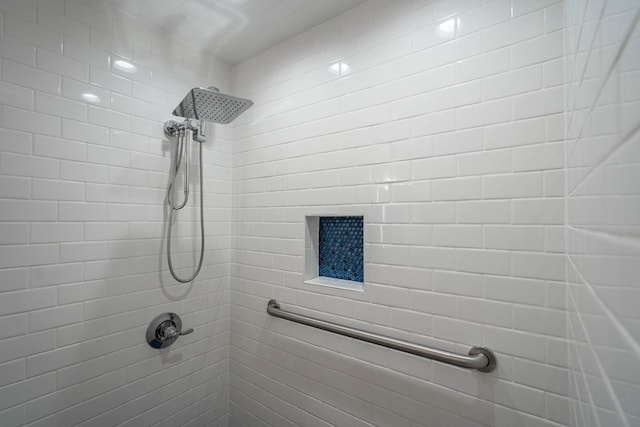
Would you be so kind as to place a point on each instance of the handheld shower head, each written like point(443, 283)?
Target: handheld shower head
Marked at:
point(209, 104)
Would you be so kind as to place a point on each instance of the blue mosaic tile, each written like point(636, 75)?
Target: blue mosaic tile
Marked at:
point(340, 242)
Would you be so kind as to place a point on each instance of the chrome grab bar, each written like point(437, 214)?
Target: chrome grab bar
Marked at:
point(480, 358)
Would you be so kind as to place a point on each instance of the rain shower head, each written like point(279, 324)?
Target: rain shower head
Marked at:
point(209, 104)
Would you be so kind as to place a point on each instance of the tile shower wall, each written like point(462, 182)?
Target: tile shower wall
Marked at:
point(442, 123)
point(603, 216)
point(81, 207)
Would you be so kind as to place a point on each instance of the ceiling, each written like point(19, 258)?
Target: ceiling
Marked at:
point(234, 30)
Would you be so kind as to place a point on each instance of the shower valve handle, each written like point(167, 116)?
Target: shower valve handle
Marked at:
point(165, 329)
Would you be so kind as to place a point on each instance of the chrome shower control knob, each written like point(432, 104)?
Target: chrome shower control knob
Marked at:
point(164, 330)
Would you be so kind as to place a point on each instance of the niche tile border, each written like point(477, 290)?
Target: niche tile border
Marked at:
point(312, 251)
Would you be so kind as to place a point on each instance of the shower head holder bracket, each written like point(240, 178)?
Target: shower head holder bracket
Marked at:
point(172, 128)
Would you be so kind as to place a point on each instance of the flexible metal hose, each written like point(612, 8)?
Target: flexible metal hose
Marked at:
point(182, 154)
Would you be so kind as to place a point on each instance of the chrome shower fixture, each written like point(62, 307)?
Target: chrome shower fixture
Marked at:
point(200, 104)
point(211, 105)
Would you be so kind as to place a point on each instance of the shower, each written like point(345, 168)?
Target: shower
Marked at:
point(202, 104)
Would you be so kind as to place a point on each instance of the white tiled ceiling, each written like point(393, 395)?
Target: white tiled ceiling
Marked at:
point(234, 30)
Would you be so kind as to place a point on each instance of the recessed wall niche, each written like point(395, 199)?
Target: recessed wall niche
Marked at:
point(334, 251)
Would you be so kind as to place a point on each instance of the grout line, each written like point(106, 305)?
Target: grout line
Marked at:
point(623, 142)
point(633, 242)
point(623, 331)
point(598, 362)
point(605, 81)
point(582, 372)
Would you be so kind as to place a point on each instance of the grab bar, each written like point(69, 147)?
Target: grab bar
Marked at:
point(480, 358)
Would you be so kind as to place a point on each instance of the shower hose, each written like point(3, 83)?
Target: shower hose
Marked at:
point(182, 155)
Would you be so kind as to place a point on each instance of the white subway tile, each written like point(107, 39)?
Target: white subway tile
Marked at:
point(81, 131)
point(28, 210)
point(512, 185)
point(483, 65)
point(514, 30)
point(107, 118)
point(30, 77)
point(52, 360)
point(484, 312)
point(12, 372)
point(442, 212)
point(538, 211)
point(513, 82)
point(25, 345)
point(58, 106)
point(15, 187)
point(86, 54)
point(24, 9)
point(465, 236)
point(57, 22)
point(435, 167)
point(26, 300)
point(53, 318)
point(59, 148)
point(514, 238)
point(539, 265)
point(15, 142)
point(44, 232)
point(80, 171)
point(32, 166)
point(145, 127)
point(94, 15)
point(411, 192)
point(520, 132)
point(483, 114)
point(434, 123)
point(57, 190)
point(107, 155)
point(484, 212)
point(17, 50)
point(28, 121)
point(525, 399)
point(539, 103)
point(83, 92)
point(457, 96)
point(16, 96)
point(515, 290)
point(443, 9)
point(27, 389)
point(521, 7)
point(457, 142)
point(553, 73)
point(128, 141)
point(429, 36)
point(540, 320)
point(55, 274)
point(432, 257)
point(457, 49)
point(539, 157)
point(129, 105)
point(483, 261)
point(107, 193)
point(517, 343)
point(455, 330)
point(26, 255)
point(33, 34)
point(484, 163)
point(457, 188)
point(12, 233)
point(78, 211)
point(484, 16)
point(58, 64)
point(110, 81)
